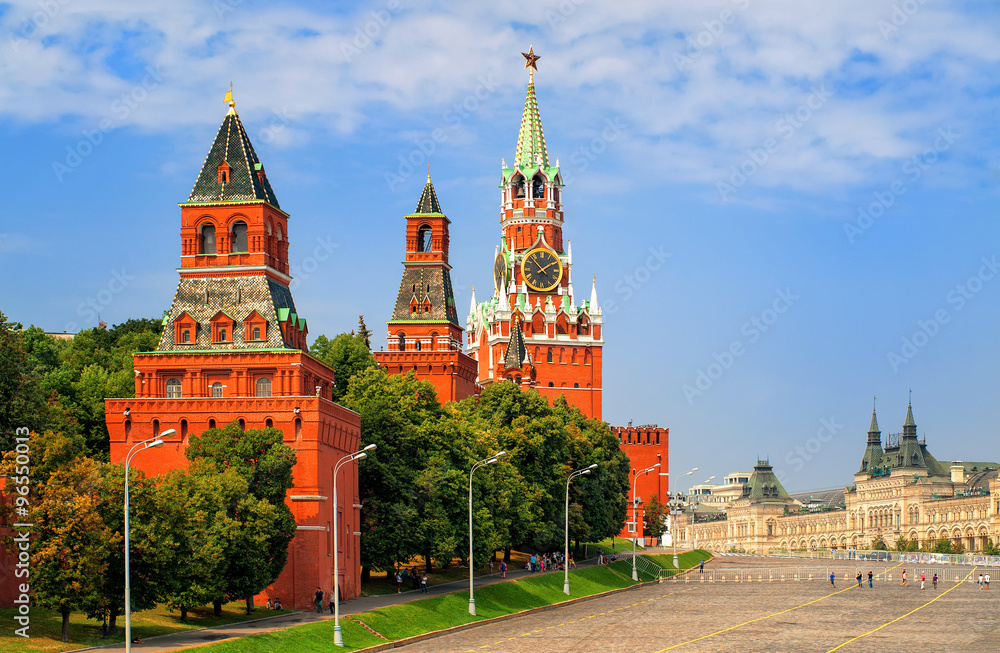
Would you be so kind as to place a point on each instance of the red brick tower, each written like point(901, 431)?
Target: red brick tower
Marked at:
point(234, 348)
point(533, 280)
point(424, 335)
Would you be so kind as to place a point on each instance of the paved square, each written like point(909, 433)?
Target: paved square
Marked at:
point(782, 616)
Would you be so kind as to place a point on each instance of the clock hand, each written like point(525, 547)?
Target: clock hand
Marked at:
point(543, 269)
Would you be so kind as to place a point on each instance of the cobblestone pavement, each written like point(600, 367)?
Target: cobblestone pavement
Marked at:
point(789, 616)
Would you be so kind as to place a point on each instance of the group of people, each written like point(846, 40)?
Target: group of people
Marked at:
point(416, 580)
point(273, 606)
point(547, 562)
point(984, 580)
point(605, 559)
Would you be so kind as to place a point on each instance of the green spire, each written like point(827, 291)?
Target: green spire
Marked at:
point(516, 350)
point(531, 152)
point(874, 425)
point(909, 415)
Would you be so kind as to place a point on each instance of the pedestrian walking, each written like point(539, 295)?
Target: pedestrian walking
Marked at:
point(399, 583)
point(491, 566)
point(903, 584)
point(869, 579)
point(934, 580)
point(533, 564)
point(701, 567)
point(832, 576)
point(319, 599)
point(923, 577)
point(986, 580)
point(423, 584)
point(859, 578)
point(980, 581)
point(503, 569)
point(332, 599)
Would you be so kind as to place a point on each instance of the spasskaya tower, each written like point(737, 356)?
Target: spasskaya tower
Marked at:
point(558, 349)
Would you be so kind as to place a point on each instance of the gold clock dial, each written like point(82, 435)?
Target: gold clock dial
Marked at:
point(541, 270)
point(500, 274)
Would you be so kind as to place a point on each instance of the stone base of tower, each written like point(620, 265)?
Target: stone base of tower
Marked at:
point(645, 446)
point(320, 431)
point(452, 373)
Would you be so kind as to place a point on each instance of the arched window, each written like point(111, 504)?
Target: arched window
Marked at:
point(211, 423)
point(584, 328)
point(281, 236)
point(548, 356)
point(417, 345)
point(255, 333)
point(551, 384)
point(263, 387)
point(173, 389)
point(269, 423)
point(519, 187)
point(434, 340)
point(240, 237)
point(222, 335)
point(216, 390)
point(401, 341)
point(576, 385)
point(207, 239)
point(186, 335)
point(538, 187)
point(425, 238)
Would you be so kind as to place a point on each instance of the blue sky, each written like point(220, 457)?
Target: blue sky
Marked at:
point(790, 207)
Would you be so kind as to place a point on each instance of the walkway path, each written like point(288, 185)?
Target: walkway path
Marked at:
point(188, 638)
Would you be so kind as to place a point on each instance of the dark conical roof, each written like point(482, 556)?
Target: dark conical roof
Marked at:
point(909, 416)
point(764, 484)
point(246, 181)
point(428, 202)
point(516, 351)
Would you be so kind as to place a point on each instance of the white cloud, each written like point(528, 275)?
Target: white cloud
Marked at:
point(749, 68)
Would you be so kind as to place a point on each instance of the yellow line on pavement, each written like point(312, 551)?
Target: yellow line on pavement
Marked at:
point(745, 623)
point(957, 585)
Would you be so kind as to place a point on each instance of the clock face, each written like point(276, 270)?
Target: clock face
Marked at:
point(500, 273)
point(541, 270)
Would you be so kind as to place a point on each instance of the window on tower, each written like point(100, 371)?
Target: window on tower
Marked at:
point(519, 187)
point(264, 387)
point(173, 389)
point(240, 237)
point(548, 356)
point(216, 390)
point(401, 341)
point(425, 238)
point(538, 187)
point(207, 239)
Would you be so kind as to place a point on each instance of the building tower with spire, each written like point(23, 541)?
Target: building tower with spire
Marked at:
point(424, 333)
point(533, 281)
point(233, 349)
point(872, 460)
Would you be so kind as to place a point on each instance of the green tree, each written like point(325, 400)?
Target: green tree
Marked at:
point(653, 523)
point(348, 355)
point(68, 560)
point(393, 410)
point(22, 403)
point(257, 543)
point(878, 544)
point(196, 528)
point(943, 545)
point(990, 548)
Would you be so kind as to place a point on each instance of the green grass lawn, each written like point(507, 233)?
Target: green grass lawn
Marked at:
point(46, 626)
point(435, 613)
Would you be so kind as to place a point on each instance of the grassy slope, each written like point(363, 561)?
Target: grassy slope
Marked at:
point(46, 627)
point(434, 613)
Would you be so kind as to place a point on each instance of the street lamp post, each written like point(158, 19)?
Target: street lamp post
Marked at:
point(635, 516)
point(579, 472)
point(673, 517)
point(157, 442)
point(338, 636)
point(482, 463)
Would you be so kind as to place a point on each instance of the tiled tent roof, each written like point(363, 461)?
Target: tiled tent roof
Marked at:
point(428, 202)
point(232, 146)
point(516, 351)
point(764, 485)
point(531, 151)
point(238, 297)
point(415, 283)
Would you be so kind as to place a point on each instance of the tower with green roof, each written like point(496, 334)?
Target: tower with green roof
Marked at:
point(533, 279)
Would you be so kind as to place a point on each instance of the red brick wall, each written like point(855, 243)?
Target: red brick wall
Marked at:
point(645, 447)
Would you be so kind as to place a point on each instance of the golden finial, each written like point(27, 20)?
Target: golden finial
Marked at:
point(229, 99)
point(595, 278)
point(428, 172)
